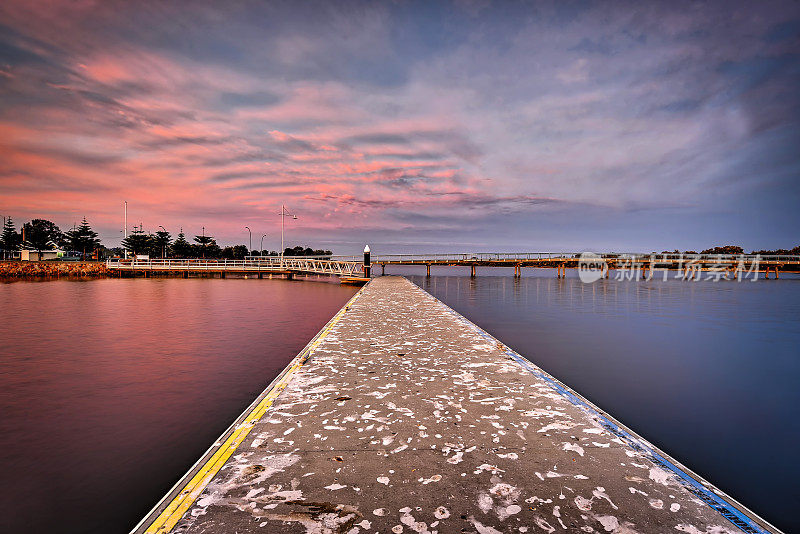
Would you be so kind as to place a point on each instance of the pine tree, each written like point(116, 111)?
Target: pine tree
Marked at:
point(137, 242)
point(10, 239)
point(206, 243)
point(41, 234)
point(161, 243)
point(82, 239)
point(181, 248)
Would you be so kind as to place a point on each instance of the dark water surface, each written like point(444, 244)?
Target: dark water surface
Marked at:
point(111, 389)
point(709, 372)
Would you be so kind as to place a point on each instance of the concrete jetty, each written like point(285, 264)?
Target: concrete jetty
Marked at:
point(402, 416)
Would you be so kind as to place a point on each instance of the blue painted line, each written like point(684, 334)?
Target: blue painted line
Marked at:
point(699, 490)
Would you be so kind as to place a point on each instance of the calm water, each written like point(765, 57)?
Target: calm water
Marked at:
point(710, 372)
point(111, 389)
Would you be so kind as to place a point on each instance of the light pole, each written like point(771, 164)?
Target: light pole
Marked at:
point(250, 248)
point(284, 213)
point(164, 253)
point(261, 250)
point(125, 228)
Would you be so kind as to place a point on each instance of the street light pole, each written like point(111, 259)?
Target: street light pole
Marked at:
point(250, 249)
point(261, 250)
point(125, 228)
point(284, 213)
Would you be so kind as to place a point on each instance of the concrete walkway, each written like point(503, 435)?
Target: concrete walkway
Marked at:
point(404, 417)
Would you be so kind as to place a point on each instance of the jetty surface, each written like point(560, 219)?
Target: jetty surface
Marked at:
point(402, 416)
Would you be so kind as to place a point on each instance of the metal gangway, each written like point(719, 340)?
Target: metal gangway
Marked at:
point(252, 265)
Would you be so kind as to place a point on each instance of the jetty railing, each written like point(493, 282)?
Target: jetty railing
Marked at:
point(298, 264)
point(354, 267)
point(466, 257)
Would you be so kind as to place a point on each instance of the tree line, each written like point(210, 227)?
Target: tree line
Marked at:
point(161, 245)
point(41, 235)
point(734, 249)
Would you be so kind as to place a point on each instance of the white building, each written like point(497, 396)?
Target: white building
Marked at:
point(33, 255)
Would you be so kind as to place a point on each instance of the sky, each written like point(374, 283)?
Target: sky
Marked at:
point(429, 126)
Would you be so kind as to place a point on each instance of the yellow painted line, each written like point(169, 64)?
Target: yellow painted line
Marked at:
point(191, 491)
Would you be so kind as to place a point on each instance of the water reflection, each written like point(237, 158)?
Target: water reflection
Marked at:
point(111, 389)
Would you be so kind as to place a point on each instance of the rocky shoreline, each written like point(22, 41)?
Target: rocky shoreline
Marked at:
point(52, 269)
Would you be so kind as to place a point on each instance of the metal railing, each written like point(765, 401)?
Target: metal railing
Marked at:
point(267, 264)
point(353, 265)
point(468, 257)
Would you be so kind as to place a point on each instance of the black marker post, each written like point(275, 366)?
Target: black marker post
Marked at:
point(366, 262)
